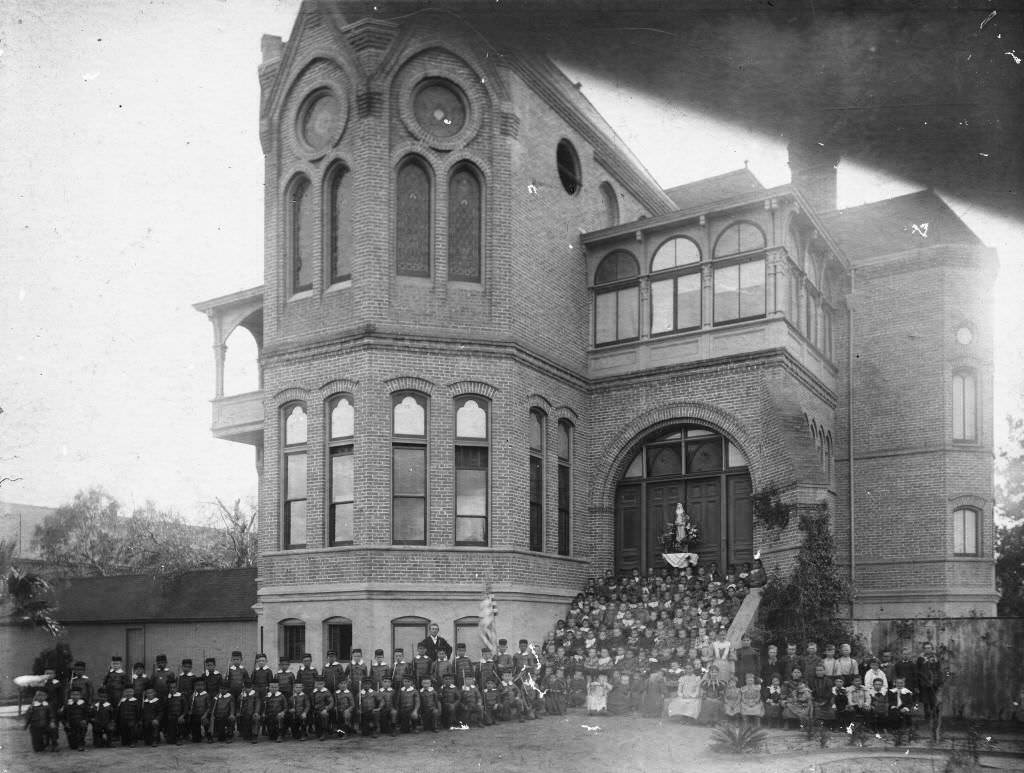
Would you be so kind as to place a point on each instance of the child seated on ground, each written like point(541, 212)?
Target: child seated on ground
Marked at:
point(597, 695)
point(771, 695)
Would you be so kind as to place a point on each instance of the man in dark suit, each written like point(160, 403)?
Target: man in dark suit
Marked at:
point(435, 644)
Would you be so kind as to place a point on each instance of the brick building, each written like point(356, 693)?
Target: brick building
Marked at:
point(494, 353)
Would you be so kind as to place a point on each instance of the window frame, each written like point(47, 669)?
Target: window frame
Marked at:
point(565, 485)
point(469, 623)
point(293, 222)
point(336, 175)
point(536, 463)
point(337, 446)
point(474, 171)
point(337, 621)
point(738, 262)
point(673, 274)
point(405, 442)
point(287, 648)
point(428, 171)
point(466, 442)
point(615, 288)
point(968, 409)
point(416, 622)
point(975, 523)
point(288, 451)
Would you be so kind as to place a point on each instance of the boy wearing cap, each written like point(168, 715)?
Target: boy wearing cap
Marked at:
point(175, 711)
point(486, 669)
point(408, 700)
point(247, 715)
point(102, 720)
point(401, 668)
point(152, 713)
point(212, 676)
point(115, 680)
point(388, 707)
point(344, 702)
point(140, 680)
point(430, 705)
point(490, 702)
point(470, 703)
point(307, 675)
point(300, 713)
point(75, 715)
point(321, 709)
point(525, 660)
point(285, 679)
point(41, 723)
point(129, 717)
point(186, 680)
point(462, 666)
point(357, 671)
point(261, 675)
point(79, 681)
point(199, 711)
point(503, 662)
point(443, 668)
point(451, 700)
point(422, 667)
point(333, 671)
point(369, 709)
point(237, 676)
point(379, 669)
point(275, 712)
point(53, 688)
point(223, 711)
point(158, 679)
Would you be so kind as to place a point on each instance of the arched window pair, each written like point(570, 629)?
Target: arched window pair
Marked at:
point(414, 217)
point(336, 218)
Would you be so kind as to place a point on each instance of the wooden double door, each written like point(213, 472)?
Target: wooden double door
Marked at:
point(720, 505)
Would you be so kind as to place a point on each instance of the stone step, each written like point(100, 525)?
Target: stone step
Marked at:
point(745, 616)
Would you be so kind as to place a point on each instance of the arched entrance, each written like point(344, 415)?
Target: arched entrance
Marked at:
point(704, 471)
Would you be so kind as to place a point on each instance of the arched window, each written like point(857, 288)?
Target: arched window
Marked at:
point(965, 405)
point(538, 422)
point(739, 281)
point(407, 632)
point(611, 205)
point(409, 469)
point(464, 224)
point(675, 286)
point(339, 220)
point(565, 433)
point(338, 637)
point(617, 299)
point(294, 472)
point(472, 453)
point(300, 235)
point(965, 531)
point(412, 219)
point(292, 639)
point(341, 422)
point(467, 631)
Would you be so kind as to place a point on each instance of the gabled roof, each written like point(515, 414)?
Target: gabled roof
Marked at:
point(920, 219)
point(214, 595)
point(712, 189)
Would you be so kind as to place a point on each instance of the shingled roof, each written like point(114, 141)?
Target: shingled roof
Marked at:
point(916, 220)
point(711, 189)
point(219, 594)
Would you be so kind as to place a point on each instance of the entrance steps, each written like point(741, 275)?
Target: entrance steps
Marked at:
point(745, 616)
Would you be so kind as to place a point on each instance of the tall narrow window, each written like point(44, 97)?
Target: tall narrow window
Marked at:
point(537, 422)
point(409, 469)
point(295, 452)
point(617, 299)
point(292, 640)
point(339, 219)
point(965, 405)
point(300, 235)
point(472, 439)
point(464, 225)
point(611, 205)
point(341, 420)
point(412, 219)
point(338, 637)
point(564, 486)
point(675, 287)
point(965, 531)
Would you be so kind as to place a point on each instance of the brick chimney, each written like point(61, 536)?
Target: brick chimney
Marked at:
point(812, 169)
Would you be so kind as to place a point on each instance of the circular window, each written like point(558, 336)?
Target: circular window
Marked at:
point(321, 120)
point(440, 108)
point(964, 335)
point(568, 167)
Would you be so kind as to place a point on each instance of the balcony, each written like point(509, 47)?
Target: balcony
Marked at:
point(239, 418)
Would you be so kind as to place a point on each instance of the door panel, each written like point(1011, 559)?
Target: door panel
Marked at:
point(627, 528)
point(661, 509)
point(704, 505)
point(741, 520)
point(134, 647)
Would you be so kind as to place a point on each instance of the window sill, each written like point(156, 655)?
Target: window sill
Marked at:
point(300, 295)
point(338, 286)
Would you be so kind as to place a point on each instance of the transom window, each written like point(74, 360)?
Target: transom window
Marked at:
point(739, 238)
point(409, 469)
point(294, 472)
point(471, 470)
point(342, 493)
point(617, 299)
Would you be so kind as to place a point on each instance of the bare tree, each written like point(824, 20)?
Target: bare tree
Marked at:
point(240, 527)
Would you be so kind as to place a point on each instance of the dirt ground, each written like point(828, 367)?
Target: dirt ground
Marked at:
point(562, 744)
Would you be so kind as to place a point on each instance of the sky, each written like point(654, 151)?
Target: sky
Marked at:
point(133, 189)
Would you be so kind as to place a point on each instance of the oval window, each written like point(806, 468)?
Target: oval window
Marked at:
point(568, 167)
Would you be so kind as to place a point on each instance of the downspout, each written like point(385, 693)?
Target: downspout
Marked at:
point(849, 437)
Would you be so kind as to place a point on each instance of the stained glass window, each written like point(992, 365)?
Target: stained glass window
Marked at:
point(412, 219)
point(464, 226)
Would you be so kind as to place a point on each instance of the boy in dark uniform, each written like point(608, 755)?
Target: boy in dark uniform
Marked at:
point(140, 681)
point(186, 680)
point(408, 706)
point(115, 681)
point(300, 713)
point(53, 688)
point(285, 679)
point(175, 712)
point(161, 673)
point(41, 723)
point(369, 709)
point(401, 668)
point(237, 677)
point(442, 669)
point(129, 717)
point(379, 669)
point(430, 705)
point(275, 712)
point(423, 667)
point(357, 671)
point(223, 712)
point(79, 681)
point(503, 663)
point(306, 678)
point(212, 676)
point(333, 671)
point(462, 666)
point(511, 699)
point(388, 707)
point(490, 702)
point(103, 726)
point(152, 712)
point(75, 715)
point(322, 705)
point(344, 703)
point(261, 676)
point(486, 669)
point(199, 711)
point(451, 700)
point(248, 714)
point(525, 661)
point(470, 703)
